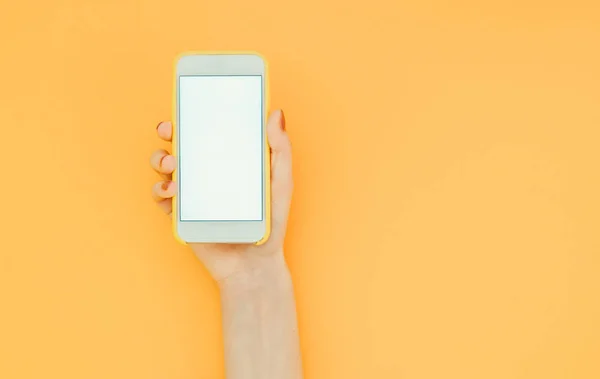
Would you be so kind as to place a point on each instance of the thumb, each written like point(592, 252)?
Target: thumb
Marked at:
point(276, 133)
point(281, 169)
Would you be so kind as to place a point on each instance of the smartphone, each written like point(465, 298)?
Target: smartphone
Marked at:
point(220, 143)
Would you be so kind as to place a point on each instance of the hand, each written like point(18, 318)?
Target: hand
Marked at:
point(233, 262)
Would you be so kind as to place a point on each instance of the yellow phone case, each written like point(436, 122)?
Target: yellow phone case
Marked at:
point(266, 144)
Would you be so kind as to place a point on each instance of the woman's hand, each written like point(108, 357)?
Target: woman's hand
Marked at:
point(239, 262)
point(259, 312)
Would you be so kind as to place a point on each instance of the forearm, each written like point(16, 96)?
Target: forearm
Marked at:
point(260, 325)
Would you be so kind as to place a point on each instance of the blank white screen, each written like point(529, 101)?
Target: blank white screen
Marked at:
point(220, 148)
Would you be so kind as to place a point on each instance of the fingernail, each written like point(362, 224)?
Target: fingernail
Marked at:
point(282, 121)
point(165, 186)
point(157, 126)
point(160, 163)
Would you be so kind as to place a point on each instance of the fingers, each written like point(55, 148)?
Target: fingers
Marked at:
point(165, 130)
point(166, 205)
point(162, 190)
point(162, 162)
point(281, 167)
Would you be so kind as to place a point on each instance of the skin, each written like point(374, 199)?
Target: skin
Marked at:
point(259, 312)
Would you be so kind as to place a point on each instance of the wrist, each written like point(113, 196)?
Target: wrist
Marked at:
point(258, 273)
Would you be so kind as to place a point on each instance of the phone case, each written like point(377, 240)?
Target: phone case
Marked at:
point(266, 142)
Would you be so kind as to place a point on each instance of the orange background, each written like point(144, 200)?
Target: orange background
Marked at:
point(445, 222)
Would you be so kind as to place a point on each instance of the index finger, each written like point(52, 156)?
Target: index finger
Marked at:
point(164, 130)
